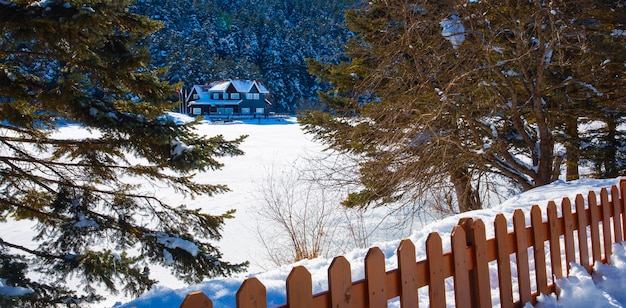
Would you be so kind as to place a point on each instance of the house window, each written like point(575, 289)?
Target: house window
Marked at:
point(252, 95)
point(234, 96)
point(260, 110)
point(215, 96)
point(195, 96)
point(225, 110)
point(196, 111)
point(245, 110)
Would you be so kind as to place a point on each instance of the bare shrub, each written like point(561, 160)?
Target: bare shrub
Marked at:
point(298, 219)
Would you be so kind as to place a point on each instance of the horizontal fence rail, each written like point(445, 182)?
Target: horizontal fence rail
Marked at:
point(599, 225)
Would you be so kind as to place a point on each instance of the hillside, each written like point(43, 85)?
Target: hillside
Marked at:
point(602, 289)
point(270, 40)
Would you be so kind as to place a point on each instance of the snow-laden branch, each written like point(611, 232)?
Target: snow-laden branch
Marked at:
point(453, 31)
point(172, 242)
point(13, 291)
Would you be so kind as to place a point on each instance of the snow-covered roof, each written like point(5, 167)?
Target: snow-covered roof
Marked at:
point(242, 86)
point(262, 88)
point(221, 86)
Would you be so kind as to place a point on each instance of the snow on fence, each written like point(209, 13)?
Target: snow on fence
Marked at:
point(598, 225)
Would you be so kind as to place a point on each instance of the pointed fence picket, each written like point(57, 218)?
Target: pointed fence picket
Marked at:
point(467, 263)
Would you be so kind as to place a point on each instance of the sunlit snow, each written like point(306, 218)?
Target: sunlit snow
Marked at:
point(274, 144)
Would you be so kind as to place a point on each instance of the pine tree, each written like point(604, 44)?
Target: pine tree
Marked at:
point(387, 106)
point(458, 90)
point(87, 63)
point(605, 147)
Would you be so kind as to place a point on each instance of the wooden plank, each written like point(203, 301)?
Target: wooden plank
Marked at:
point(555, 241)
point(568, 233)
point(408, 274)
point(622, 188)
point(583, 247)
point(375, 278)
point(422, 273)
point(504, 262)
point(521, 253)
point(436, 287)
point(617, 214)
point(462, 294)
point(492, 249)
point(196, 300)
point(539, 251)
point(392, 281)
point(607, 237)
point(321, 300)
point(448, 264)
point(251, 294)
point(595, 227)
point(299, 288)
point(340, 283)
point(467, 223)
point(482, 264)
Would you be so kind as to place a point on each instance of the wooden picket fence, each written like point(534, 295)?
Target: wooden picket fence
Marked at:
point(599, 225)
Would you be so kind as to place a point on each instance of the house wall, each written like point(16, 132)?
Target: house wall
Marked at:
point(215, 110)
point(253, 105)
point(193, 109)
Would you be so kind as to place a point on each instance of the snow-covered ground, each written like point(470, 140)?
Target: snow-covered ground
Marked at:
point(602, 289)
point(279, 145)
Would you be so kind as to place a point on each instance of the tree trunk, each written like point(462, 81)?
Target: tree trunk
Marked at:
point(466, 195)
point(545, 165)
point(572, 147)
point(609, 152)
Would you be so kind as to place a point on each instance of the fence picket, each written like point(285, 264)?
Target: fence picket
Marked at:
point(408, 274)
point(521, 254)
point(583, 247)
point(340, 283)
point(299, 288)
point(622, 184)
point(539, 250)
point(606, 224)
point(436, 285)
point(617, 214)
point(555, 241)
point(568, 232)
point(622, 187)
point(251, 294)
point(596, 253)
point(467, 223)
point(504, 262)
point(375, 277)
point(196, 300)
point(482, 263)
point(462, 294)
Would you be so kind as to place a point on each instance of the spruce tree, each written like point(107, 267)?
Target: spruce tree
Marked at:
point(450, 89)
point(86, 63)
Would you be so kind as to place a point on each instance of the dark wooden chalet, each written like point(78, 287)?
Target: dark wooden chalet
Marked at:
point(231, 97)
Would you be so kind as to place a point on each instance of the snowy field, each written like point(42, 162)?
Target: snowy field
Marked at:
point(279, 147)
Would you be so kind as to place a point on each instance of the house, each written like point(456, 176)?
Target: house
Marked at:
point(230, 97)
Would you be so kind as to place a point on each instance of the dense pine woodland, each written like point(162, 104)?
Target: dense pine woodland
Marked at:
point(267, 40)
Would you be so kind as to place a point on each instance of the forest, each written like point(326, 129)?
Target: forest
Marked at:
point(204, 41)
